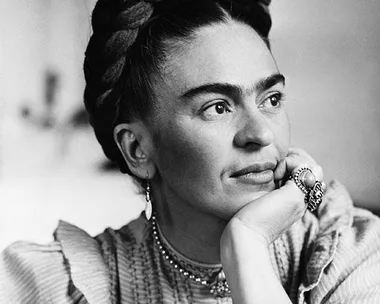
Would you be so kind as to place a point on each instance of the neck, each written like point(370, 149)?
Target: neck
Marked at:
point(192, 232)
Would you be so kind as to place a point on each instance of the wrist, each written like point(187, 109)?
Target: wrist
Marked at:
point(248, 268)
point(239, 244)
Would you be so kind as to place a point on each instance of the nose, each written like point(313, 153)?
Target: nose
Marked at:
point(254, 130)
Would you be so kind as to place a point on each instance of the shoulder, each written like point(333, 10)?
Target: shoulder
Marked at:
point(354, 272)
point(64, 271)
point(32, 273)
point(351, 234)
point(119, 248)
point(343, 263)
point(134, 233)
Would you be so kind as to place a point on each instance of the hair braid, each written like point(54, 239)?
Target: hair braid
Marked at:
point(115, 28)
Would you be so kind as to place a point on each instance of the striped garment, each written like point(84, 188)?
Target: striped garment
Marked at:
point(333, 257)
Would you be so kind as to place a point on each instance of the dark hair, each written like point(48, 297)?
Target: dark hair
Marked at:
point(129, 44)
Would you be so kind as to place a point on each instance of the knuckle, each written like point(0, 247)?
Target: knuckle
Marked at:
point(318, 171)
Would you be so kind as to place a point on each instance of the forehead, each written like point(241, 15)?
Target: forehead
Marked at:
point(225, 52)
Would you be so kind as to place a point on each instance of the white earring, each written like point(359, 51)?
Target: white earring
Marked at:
point(148, 203)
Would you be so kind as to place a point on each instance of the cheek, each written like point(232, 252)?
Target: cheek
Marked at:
point(187, 153)
point(282, 134)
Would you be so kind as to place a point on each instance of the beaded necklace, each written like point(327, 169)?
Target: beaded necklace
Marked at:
point(217, 285)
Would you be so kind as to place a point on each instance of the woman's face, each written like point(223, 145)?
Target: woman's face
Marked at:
point(220, 127)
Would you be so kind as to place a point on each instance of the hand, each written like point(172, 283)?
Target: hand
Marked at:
point(268, 216)
point(244, 245)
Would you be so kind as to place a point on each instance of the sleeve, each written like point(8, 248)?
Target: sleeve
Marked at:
point(354, 274)
point(31, 273)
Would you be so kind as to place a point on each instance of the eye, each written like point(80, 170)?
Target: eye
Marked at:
point(273, 101)
point(216, 109)
point(220, 108)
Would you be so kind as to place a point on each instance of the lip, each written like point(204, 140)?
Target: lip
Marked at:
point(258, 173)
point(255, 168)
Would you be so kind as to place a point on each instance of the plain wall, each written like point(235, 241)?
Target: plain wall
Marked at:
point(330, 53)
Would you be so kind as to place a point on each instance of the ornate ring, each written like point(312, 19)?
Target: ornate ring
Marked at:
point(314, 189)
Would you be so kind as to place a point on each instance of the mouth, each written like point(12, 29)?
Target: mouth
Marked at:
point(258, 173)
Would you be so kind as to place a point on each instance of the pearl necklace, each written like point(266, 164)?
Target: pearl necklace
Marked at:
point(218, 288)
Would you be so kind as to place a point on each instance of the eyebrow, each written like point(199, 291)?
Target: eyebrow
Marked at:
point(234, 90)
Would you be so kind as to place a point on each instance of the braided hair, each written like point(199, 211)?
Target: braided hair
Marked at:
point(131, 40)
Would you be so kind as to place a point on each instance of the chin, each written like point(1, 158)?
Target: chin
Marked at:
point(236, 202)
point(246, 191)
point(226, 205)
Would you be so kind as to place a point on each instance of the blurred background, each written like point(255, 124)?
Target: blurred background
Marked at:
point(52, 168)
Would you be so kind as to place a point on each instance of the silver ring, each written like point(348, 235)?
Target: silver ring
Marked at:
point(299, 178)
point(314, 189)
point(314, 198)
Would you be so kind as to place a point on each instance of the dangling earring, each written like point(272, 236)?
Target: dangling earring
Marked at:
point(148, 203)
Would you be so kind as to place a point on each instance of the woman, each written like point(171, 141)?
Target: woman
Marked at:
point(186, 97)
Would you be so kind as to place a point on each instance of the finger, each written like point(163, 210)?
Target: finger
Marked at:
point(296, 159)
point(294, 164)
point(280, 171)
point(294, 151)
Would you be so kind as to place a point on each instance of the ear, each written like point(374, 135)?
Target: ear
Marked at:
point(135, 142)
